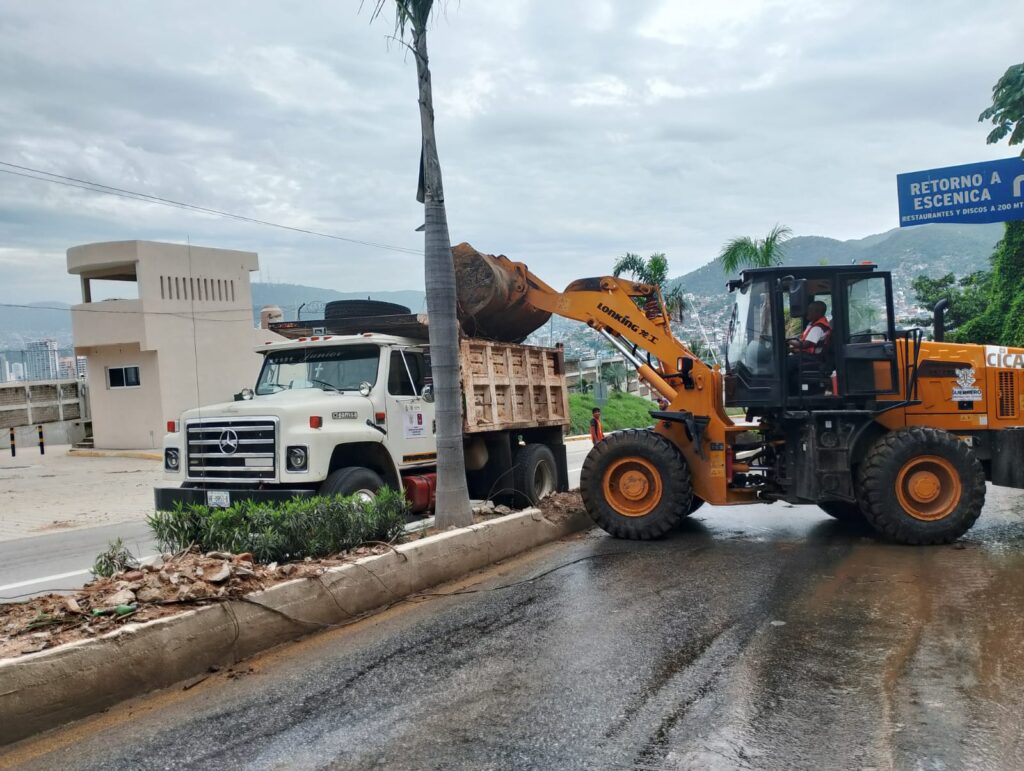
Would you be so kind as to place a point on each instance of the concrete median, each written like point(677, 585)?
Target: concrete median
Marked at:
point(44, 690)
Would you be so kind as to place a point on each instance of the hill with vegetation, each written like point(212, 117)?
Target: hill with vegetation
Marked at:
point(931, 250)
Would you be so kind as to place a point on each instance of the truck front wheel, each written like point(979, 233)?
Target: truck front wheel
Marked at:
point(353, 480)
point(535, 474)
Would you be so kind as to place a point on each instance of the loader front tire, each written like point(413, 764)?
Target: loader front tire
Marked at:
point(921, 486)
point(635, 484)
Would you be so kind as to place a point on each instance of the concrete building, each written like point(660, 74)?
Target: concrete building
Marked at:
point(17, 371)
point(183, 340)
point(41, 360)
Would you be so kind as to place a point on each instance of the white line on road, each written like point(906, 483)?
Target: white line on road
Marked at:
point(44, 579)
point(70, 574)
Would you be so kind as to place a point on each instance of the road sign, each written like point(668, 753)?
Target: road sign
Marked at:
point(992, 191)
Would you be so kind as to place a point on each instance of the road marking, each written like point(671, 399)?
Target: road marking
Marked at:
point(44, 579)
point(59, 576)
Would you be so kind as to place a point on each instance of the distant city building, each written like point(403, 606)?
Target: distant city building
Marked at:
point(41, 361)
point(17, 371)
point(5, 370)
point(80, 367)
point(68, 368)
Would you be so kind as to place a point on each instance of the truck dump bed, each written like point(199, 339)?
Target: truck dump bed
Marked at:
point(511, 386)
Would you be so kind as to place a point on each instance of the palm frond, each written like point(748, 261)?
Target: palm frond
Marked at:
point(633, 264)
point(737, 253)
point(657, 269)
point(771, 248)
point(408, 13)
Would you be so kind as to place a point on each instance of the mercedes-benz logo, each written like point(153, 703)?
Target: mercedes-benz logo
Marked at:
point(228, 442)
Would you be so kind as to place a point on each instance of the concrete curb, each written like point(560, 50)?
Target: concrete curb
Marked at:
point(44, 690)
point(138, 454)
point(576, 438)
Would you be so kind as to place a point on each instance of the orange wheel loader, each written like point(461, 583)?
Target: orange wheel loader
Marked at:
point(861, 418)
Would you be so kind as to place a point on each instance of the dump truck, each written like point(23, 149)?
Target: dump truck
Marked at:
point(345, 406)
point(873, 423)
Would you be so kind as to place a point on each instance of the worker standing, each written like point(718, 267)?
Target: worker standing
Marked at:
point(596, 429)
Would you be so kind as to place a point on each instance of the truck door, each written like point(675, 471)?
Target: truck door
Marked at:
point(866, 351)
point(410, 417)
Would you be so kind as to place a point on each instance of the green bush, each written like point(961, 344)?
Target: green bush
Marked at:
point(620, 411)
point(282, 531)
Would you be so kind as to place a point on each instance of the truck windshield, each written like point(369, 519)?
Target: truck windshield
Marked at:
point(751, 337)
point(329, 369)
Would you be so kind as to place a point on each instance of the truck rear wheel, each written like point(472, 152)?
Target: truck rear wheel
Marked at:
point(635, 484)
point(921, 486)
point(535, 474)
point(352, 480)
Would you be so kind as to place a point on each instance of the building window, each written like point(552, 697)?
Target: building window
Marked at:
point(161, 287)
point(192, 286)
point(123, 377)
point(206, 288)
point(232, 290)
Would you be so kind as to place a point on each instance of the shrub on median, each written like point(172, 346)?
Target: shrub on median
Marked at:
point(282, 531)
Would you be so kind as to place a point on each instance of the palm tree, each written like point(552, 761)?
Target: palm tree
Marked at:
point(654, 271)
point(452, 502)
point(755, 252)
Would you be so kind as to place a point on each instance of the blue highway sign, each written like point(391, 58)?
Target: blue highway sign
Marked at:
point(992, 191)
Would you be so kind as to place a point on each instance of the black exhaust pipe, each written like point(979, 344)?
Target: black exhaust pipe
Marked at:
point(939, 320)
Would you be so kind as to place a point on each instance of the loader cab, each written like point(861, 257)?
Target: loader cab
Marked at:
point(852, 359)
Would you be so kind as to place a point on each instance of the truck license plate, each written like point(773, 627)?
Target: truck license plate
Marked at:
point(218, 499)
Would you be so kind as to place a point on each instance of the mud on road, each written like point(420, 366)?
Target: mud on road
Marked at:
point(754, 637)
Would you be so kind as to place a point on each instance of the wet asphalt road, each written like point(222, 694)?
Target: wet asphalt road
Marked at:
point(761, 637)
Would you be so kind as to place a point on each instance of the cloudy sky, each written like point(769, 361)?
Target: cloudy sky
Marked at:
point(570, 131)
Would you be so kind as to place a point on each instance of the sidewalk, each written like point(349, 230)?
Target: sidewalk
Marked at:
point(59, 492)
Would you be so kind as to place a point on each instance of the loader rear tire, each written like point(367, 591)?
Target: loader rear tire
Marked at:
point(921, 486)
point(635, 484)
point(842, 510)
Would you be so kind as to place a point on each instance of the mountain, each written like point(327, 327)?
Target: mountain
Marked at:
point(288, 297)
point(933, 250)
point(34, 321)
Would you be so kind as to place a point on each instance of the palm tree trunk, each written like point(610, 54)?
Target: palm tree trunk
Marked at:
point(452, 507)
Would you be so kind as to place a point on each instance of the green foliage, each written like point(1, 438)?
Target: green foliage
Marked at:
point(1001, 321)
point(1007, 110)
point(620, 411)
point(967, 296)
point(301, 527)
point(755, 253)
point(116, 558)
point(654, 271)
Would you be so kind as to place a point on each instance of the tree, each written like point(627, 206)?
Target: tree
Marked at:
point(755, 253)
point(654, 271)
point(452, 502)
point(1002, 321)
point(1007, 110)
point(967, 296)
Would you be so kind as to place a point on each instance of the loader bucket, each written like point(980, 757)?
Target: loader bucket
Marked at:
point(492, 297)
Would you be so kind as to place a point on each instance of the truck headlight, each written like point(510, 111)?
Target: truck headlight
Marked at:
point(172, 459)
point(298, 459)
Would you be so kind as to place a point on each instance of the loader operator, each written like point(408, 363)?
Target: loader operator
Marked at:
point(807, 351)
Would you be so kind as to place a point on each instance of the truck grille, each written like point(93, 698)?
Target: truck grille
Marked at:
point(231, 450)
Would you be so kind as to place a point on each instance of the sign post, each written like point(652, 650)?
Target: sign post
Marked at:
point(991, 191)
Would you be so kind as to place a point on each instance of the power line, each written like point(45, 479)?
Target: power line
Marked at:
point(96, 187)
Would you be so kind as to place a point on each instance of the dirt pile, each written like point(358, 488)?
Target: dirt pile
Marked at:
point(559, 506)
point(163, 588)
point(491, 297)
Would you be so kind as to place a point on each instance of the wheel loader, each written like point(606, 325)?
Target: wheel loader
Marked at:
point(873, 423)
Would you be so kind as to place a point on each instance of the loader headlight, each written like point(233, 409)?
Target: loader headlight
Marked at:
point(172, 459)
point(298, 458)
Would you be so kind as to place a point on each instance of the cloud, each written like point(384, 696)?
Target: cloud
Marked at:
point(569, 132)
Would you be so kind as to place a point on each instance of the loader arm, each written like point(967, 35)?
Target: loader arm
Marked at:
point(696, 421)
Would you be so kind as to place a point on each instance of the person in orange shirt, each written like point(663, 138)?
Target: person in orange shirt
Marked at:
point(596, 429)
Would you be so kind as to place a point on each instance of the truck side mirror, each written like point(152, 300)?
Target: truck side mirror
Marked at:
point(428, 393)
